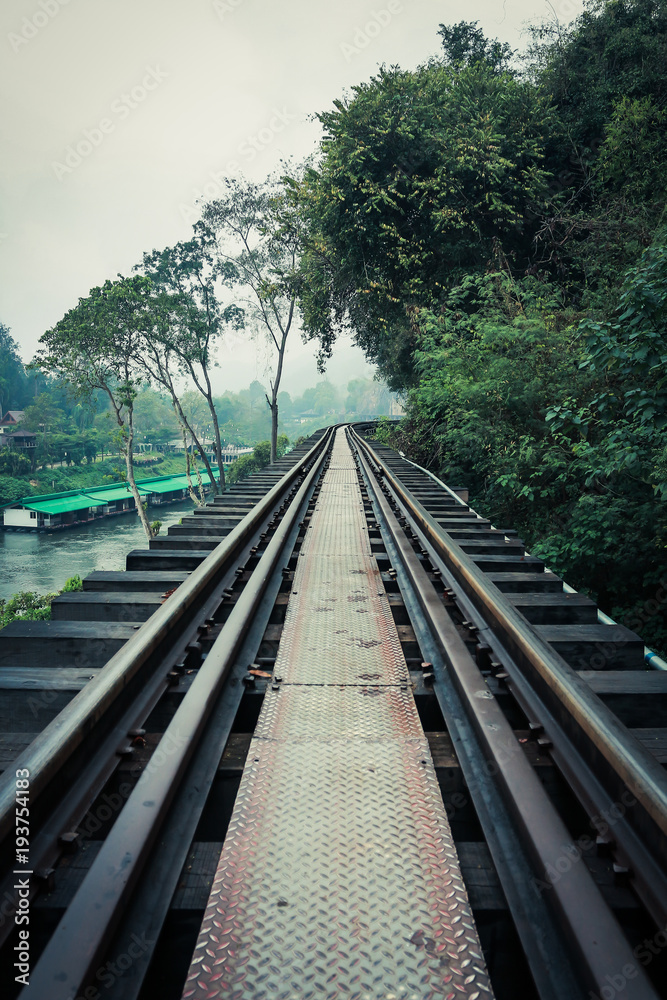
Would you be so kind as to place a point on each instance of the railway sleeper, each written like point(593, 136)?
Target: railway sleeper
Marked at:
point(107, 606)
point(55, 644)
point(192, 542)
point(121, 580)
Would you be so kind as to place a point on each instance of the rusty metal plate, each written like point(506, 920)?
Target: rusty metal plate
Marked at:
point(304, 714)
point(339, 627)
point(338, 876)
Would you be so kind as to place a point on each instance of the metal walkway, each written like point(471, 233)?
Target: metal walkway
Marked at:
point(338, 876)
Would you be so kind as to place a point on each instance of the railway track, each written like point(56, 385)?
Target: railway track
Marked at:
point(333, 735)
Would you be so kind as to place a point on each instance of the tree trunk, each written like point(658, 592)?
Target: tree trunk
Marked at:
point(199, 500)
point(275, 386)
point(200, 448)
point(129, 442)
point(274, 428)
point(218, 443)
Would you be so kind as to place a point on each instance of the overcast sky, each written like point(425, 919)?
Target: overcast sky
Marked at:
point(120, 114)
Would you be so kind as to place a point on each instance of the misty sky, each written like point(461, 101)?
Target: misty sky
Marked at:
point(119, 114)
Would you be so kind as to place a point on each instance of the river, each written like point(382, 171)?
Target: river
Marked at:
point(42, 562)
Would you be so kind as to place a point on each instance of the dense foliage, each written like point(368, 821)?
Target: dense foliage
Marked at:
point(495, 235)
point(424, 174)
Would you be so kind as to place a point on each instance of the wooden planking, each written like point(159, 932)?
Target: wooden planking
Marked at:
point(113, 606)
point(526, 583)
point(556, 609)
point(151, 559)
point(190, 542)
point(62, 643)
point(597, 647)
point(122, 580)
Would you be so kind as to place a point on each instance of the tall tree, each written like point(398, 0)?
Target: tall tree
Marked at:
point(422, 176)
point(14, 386)
point(95, 346)
point(164, 367)
point(192, 276)
point(258, 243)
point(465, 44)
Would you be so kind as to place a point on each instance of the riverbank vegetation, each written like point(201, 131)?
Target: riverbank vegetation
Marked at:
point(29, 606)
point(74, 451)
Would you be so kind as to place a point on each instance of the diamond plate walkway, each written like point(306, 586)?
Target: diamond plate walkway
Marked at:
point(338, 877)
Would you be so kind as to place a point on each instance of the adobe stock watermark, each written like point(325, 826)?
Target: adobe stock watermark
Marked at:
point(618, 981)
point(121, 109)
point(31, 26)
point(223, 7)
point(364, 34)
point(247, 151)
point(572, 853)
point(113, 969)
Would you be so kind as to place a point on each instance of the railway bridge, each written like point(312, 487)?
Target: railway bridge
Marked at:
point(335, 735)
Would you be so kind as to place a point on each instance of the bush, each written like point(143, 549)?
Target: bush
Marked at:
point(26, 606)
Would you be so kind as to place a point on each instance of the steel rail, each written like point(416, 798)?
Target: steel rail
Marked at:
point(70, 959)
point(582, 769)
point(47, 754)
point(149, 906)
point(623, 754)
point(576, 904)
point(651, 658)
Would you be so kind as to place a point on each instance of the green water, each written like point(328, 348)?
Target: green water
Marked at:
point(42, 562)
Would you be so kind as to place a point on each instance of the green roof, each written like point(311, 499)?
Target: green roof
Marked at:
point(118, 491)
point(166, 485)
point(61, 505)
point(97, 496)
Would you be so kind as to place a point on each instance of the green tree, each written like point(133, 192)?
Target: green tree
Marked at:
point(26, 606)
point(465, 45)
point(13, 462)
point(188, 274)
point(14, 385)
point(615, 49)
point(95, 347)
point(258, 242)
point(423, 175)
point(164, 367)
point(622, 426)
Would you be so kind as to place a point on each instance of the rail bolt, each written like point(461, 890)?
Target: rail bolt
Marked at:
point(604, 846)
point(483, 655)
point(69, 841)
point(45, 879)
point(622, 875)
